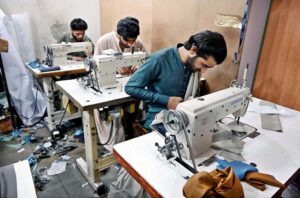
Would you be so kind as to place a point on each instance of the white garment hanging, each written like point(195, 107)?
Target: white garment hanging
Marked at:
point(28, 102)
point(193, 86)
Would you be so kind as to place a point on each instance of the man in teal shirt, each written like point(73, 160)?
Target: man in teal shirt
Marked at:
point(163, 79)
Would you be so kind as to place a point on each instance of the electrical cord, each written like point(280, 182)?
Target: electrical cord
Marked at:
point(35, 107)
point(44, 95)
point(110, 139)
point(116, 134)
point(65, 110)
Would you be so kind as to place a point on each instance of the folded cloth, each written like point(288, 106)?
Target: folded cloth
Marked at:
point(232, 145)
point(218, 183)
point(270, 121)
point(258, 180)
point(239, 168)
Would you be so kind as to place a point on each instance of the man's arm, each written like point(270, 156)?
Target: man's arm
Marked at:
point(136, 86)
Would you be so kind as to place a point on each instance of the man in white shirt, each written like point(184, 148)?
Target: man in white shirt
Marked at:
point(125, 39)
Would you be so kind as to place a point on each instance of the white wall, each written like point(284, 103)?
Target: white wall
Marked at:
point(50, 18)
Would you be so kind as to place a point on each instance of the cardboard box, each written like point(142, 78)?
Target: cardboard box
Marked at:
point(71, 107)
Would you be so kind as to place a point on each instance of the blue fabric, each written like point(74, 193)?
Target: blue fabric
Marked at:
point(162, 75)
point(244, 23)
point(240, 169)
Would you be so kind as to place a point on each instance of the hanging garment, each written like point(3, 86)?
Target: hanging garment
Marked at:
point(28, 101)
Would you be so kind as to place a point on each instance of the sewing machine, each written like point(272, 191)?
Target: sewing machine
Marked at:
point(57, 54)
point(190, 127)
point(103, 68)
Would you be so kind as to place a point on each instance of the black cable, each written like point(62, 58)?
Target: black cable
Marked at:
point(116, 134)
point(64, 114)
point(44, 95)
point(35, 107)
point(110, 139)
point(110, 134)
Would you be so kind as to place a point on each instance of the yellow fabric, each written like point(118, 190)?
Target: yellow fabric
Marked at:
point(214, 184)
point(258, 180)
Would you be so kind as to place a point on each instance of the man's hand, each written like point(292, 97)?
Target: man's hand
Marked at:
point(173, 102)
point(134, 68)
point(77, 58)
point(125, 70)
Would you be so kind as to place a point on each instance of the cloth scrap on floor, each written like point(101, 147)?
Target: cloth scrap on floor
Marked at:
point(57, 168)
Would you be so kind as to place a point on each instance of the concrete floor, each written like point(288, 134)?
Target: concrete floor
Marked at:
point(70, 183)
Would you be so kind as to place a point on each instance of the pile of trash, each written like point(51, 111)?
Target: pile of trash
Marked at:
point(56, 145)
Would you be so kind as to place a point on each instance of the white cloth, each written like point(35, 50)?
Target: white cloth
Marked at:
point(28, 102)
point(193, 86)
point(104, 130)
point(127, 183)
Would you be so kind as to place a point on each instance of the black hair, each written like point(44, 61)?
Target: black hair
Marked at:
point(208, 43)
point(128, 28)
point(78, 24)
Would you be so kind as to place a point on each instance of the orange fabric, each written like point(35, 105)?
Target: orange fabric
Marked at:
point(229, 185)
point(217, 183)
point(258, 180)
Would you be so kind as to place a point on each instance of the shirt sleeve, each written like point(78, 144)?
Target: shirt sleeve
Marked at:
point(142, 78)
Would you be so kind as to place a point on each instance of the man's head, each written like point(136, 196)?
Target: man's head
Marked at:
point(128, 30)
point(206, 49)
point(78, 28)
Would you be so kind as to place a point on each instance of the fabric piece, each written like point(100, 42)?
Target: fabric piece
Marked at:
point(222, 135)
point(8, 182)
point(68, 38)
point(232, 145)
point(164, 75)
point(239, 168)
point(218, 183)
point(127, 183)
point(258, 180)
point(111, 41)
point(193, 86)
point(270, 121)
point(104, 130)
point(232, 127)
